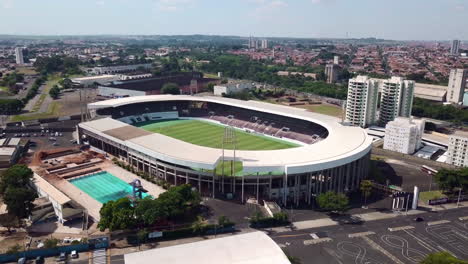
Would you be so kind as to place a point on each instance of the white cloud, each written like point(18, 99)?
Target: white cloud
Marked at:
point(267, 8)
point(172, 5)
point(100, 3)
point(7, 4)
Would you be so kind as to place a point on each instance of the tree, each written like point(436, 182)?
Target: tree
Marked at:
point(198, 225)
point(19, 201)
point(448, 180)
point(442, 258)
point(117, 215)
point(170, 88)
point(334, 202)
point(9, 221)
point(66, 83)
point(15, 192)
point(54, 92)
point(10, 106)
point(51, 243)
point(366, 189)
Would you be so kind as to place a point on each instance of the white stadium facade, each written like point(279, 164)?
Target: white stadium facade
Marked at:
point(331, 156)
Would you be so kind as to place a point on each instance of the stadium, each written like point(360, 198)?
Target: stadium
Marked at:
point(231, 148)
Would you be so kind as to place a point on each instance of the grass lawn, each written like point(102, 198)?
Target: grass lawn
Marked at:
point(426, 196)
point(211, 135)
point(324, 109)
point(211, 75)
point(52, 111)
point(26, 70)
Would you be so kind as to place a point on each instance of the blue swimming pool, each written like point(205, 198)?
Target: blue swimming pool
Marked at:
point(103, 186)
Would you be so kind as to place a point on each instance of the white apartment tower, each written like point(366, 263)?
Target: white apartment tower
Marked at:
point(457, 85)
point(336, 60)
point(264, 43)
point(396, 99)
point(19, 56)
point(361, 105)
point(458, 149)
point(455, 47)
point(331, 71)
point(404, 135)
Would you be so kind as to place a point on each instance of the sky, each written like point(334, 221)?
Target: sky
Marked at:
point(388, 19)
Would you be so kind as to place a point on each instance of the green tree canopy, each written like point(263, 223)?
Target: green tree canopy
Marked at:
point(15, 192)
point(366, 189)
point(10, 106)
point(334, 202)
point(442, 258)
point(123, 214)
point(170, 88)
point(54, 92)
point(448, 180)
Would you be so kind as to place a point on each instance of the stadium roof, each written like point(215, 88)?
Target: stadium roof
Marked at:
point(151, 84)
point(344, 144)
point(250, 248)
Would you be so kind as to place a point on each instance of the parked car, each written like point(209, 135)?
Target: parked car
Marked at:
point(22, 261)
point(74, 254)
point(419, 219)
point(62, 256)
point(39, 260)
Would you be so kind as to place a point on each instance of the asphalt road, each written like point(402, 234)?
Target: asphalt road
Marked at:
point(374, 242)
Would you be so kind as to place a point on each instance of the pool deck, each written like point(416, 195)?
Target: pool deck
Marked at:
point(93, 206)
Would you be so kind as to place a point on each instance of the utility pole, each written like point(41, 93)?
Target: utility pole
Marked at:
point(459, 196)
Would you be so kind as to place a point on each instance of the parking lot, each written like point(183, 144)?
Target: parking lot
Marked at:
point(400, 240)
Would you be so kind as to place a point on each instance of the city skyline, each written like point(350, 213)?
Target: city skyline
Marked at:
point(262, 18)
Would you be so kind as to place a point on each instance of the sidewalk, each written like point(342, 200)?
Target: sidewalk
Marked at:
point(373, 216)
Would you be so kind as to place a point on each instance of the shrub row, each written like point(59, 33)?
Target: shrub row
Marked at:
point(278, 219)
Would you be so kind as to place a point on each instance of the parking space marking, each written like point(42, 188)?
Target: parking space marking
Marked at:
point(438, 222)
point(361, 234)
point(423, 241)
point(454, 237)
point(403, 245)
point(317, 241)
point(381, 249)
point(400, 228)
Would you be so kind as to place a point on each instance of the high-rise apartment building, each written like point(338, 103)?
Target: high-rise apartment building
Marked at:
point(404, 135)
point(455, 47)
point(331, 71)
point(19, 56)
point(458, 149)
point(361, 105)
point(457, 85)
point(396, 99)
point(336, 60)
point(264, 44)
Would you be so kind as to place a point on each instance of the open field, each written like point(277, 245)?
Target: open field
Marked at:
point(324, 109)
point(53, 110)
point(211, 135)
point(26, 70)
point(426, 196)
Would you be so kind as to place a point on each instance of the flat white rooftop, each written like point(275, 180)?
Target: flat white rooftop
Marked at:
point(343, 145)
point(250, 248)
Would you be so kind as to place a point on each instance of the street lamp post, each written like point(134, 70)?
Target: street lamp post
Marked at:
point(459, 196)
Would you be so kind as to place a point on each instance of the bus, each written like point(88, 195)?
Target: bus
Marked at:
point(428, 169)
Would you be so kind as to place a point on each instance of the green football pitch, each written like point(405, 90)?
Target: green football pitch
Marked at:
point(208, 134)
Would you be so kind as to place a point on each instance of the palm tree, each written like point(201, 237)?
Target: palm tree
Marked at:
point(366, 189)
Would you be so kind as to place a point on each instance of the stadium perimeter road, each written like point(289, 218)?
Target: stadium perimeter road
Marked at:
point(397, 240)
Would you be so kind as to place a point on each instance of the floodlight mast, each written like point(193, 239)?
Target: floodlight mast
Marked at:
point(229, 139)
